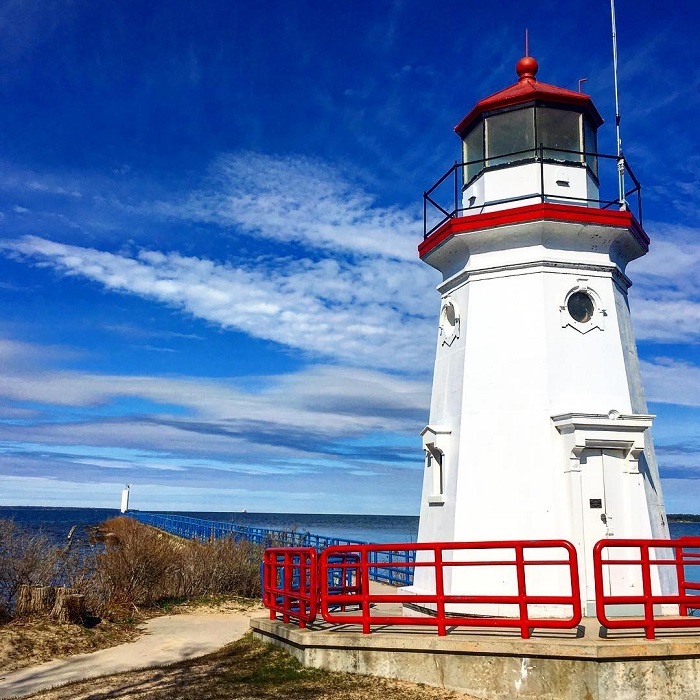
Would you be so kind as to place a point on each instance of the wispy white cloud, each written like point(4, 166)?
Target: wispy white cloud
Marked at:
point(667, 320)
point(21, 180)
point(321, 403)
point(665, 298)
point(667, 380)
point(373, 313)
point(343, 285)
point(272, 495)
point(354, 291)
point(48, 188)
point(18, 357)
point(133, 330)
point(262, 445)
point(297, 200)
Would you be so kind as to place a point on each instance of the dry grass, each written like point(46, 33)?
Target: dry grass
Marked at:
point(136, 568)
point(25, 558)
point(142, 566)
point(28, 642)
point(245, 670)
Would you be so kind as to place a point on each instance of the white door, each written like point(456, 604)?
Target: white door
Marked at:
point(600, 477)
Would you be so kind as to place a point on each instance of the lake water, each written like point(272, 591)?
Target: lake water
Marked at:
point(57, 522)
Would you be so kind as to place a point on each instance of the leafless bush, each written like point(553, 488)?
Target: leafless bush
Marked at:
point(219, 566)
point(78, 571)
point(136, 567)
point(26, 557)
point(141, 565)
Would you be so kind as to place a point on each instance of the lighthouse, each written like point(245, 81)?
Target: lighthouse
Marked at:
point(125, 499)
point(538, 424)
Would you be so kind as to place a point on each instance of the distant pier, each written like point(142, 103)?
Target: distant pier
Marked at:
point(204, 530)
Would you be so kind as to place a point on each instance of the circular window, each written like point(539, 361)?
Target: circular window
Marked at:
point(581, 307)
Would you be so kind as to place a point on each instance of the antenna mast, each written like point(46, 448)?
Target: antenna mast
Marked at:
point(620, 157)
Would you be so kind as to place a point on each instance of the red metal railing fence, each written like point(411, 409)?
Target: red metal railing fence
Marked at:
point(342, 582)
point(298, 584)
point(643, 562)
point(689, 558)
point(290, 583)
point(515, 562)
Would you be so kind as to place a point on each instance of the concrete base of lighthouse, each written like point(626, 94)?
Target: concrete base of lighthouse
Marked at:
point(552, 665)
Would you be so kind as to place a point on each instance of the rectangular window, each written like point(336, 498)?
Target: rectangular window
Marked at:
point(436, 476)
point(510, 136)
point(590, 145)
point(560, 129)
point(473, 153)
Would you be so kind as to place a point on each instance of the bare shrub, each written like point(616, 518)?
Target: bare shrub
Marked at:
point(78, 571)
point(141, 566)
point(26, 558)
point(136, 564)
point(221, 566)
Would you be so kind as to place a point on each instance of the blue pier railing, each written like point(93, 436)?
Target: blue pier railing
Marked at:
point(204, 530)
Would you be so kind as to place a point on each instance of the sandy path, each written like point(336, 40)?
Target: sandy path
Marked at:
point(166, 640)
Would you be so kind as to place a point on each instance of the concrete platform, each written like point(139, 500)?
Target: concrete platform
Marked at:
point(581, 664)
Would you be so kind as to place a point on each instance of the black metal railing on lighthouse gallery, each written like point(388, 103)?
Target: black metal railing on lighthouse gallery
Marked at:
point(443, 201)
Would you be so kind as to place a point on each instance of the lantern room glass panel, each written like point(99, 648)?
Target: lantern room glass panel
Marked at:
point(590, 145)
point(559, 131)
point(473, 152)
point(510, 137)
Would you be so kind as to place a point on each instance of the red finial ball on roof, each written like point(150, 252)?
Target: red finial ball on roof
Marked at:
point(527, 68)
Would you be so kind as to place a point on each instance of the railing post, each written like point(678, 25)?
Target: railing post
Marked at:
point(622, 201)
point(639, 205)
point(269, 577)
point(287, 576)
point(522, 591)
point(649, 630)
point(542, 197)
point(456, 209)
point(680, 575)
point(439, 592)
point(364, 568)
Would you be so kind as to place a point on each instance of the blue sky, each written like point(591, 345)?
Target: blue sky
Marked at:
point(209, 285)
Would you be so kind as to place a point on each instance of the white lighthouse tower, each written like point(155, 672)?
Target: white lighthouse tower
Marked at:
point(538, 424)
point(125, 499)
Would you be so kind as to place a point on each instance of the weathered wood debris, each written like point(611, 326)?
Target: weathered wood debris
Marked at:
point(58, 602)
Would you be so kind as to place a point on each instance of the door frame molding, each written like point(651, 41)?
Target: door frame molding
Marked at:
point(603, 431)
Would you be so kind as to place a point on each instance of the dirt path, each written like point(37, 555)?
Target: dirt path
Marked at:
point(165, 640)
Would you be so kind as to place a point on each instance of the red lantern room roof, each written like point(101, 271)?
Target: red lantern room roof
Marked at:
point(527, 90)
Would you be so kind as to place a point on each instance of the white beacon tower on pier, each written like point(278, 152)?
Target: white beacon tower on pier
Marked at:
point(538, 424)
point(125, 499)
